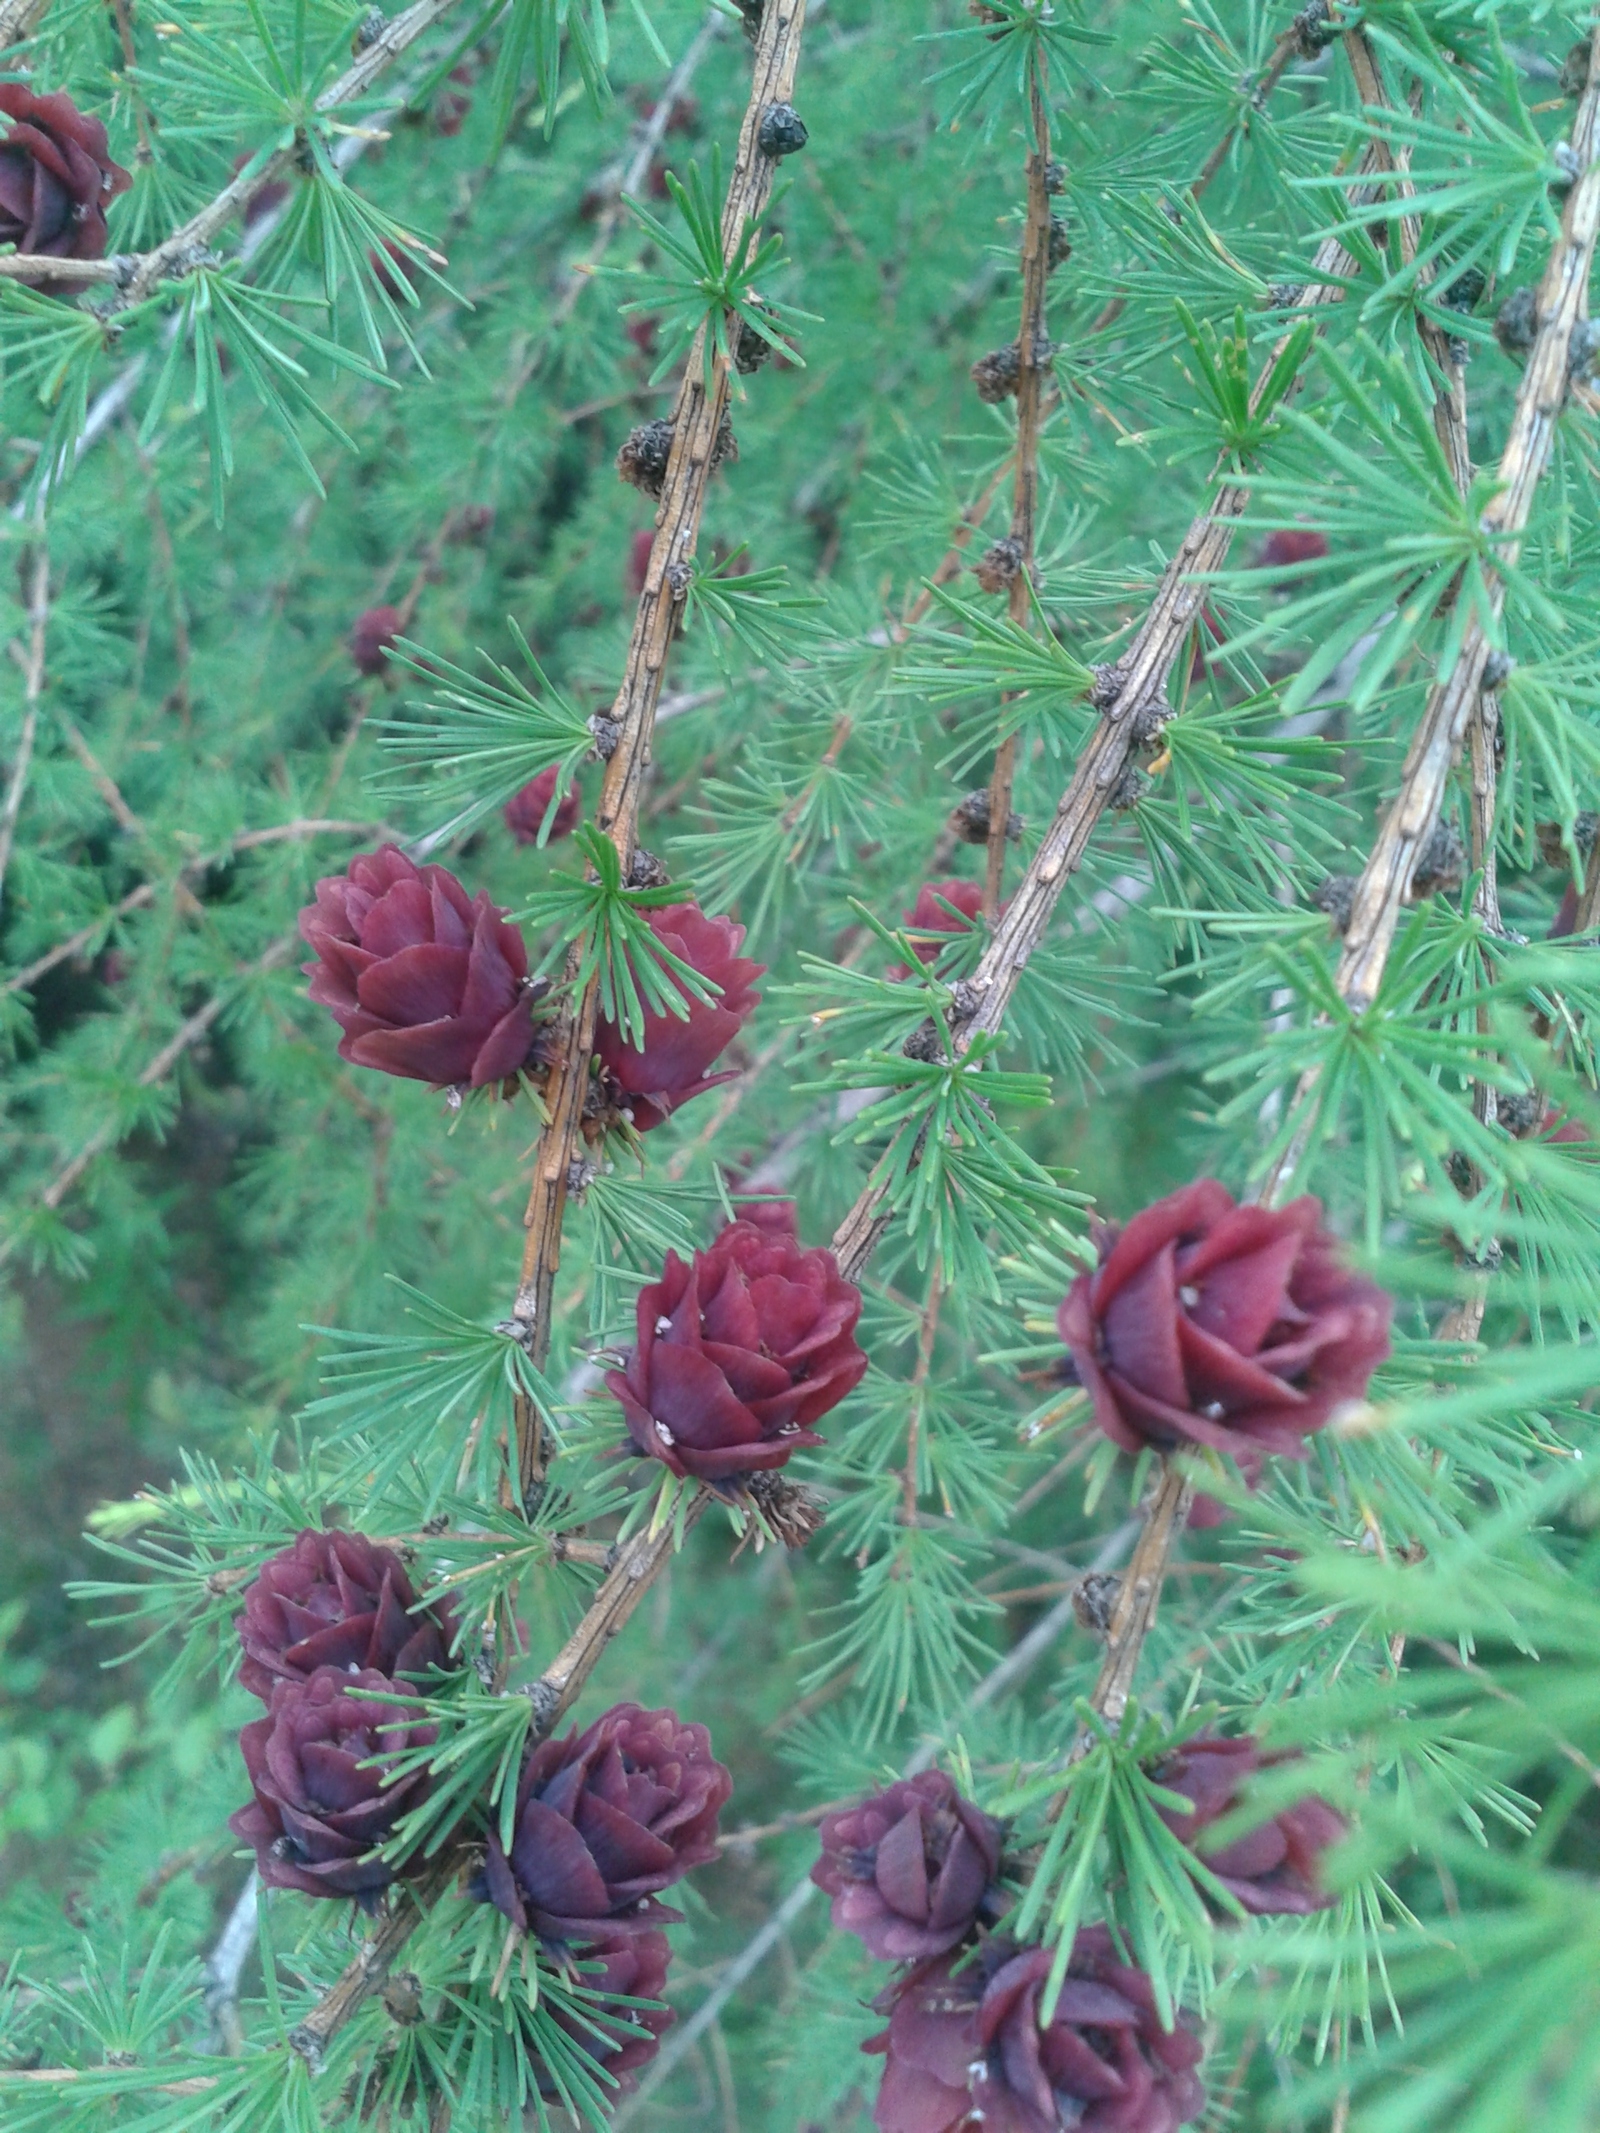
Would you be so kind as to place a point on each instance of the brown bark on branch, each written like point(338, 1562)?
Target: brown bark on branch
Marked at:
point(1033, 362)
point(19, 19)
point(697, 419)
point(1139, 679)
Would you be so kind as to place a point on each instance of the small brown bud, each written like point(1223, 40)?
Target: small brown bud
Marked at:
point(1583, 348)
point(643, 457)
point(368, 30)
point(1575, 70)
point(1129, 789)
point(750, 350)
point(924, 1043)
point(1569, 168)
point(1441, 865)
point(1336, 894)
point(645, 871)
point(1517, 321)
point(1518, 1110)
point(995, 375)
point(402, 1997)
point(1313, 30)
point(1497, 670)
point(1094, 1601)
point(606, 733)
point(1146, 723)
point(1106, 685)
point(1055, 176)
point(1551, 847)
point(473, 522)
point(782, 132)
point(996, 569)
point(970, 820)
point(1060, 244)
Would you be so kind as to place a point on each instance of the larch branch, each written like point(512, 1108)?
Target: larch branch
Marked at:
point(1033, 361)
point(698, 417)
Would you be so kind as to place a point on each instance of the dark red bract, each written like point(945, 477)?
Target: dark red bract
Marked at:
point(375, 631)
point(425, 981)
point(337, 1599)
point(56, 177)
point(908, 1870)
point(1272, 1868)
point(525, 810)
point(738, 1354)
point(605, 1820)
point(964, 2048)
point(316, 1812)
point(672, 1065)
point(1210, 1323)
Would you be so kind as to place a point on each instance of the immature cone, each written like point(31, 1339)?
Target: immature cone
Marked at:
point(773, 1217)
point(425, 981)
point(316, 1810)
point(375, 631)
point(738, 1354)
point(338, 1599)
point(964, 2048)
point(56, 177)
point(672, 1065)
point(605, 1820)
point(1234, 1327)
point(929, 915)
point(627, 1966)
point(908, 1870)
point(266, 202)
point(1272, 1868)
point(526, 809)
